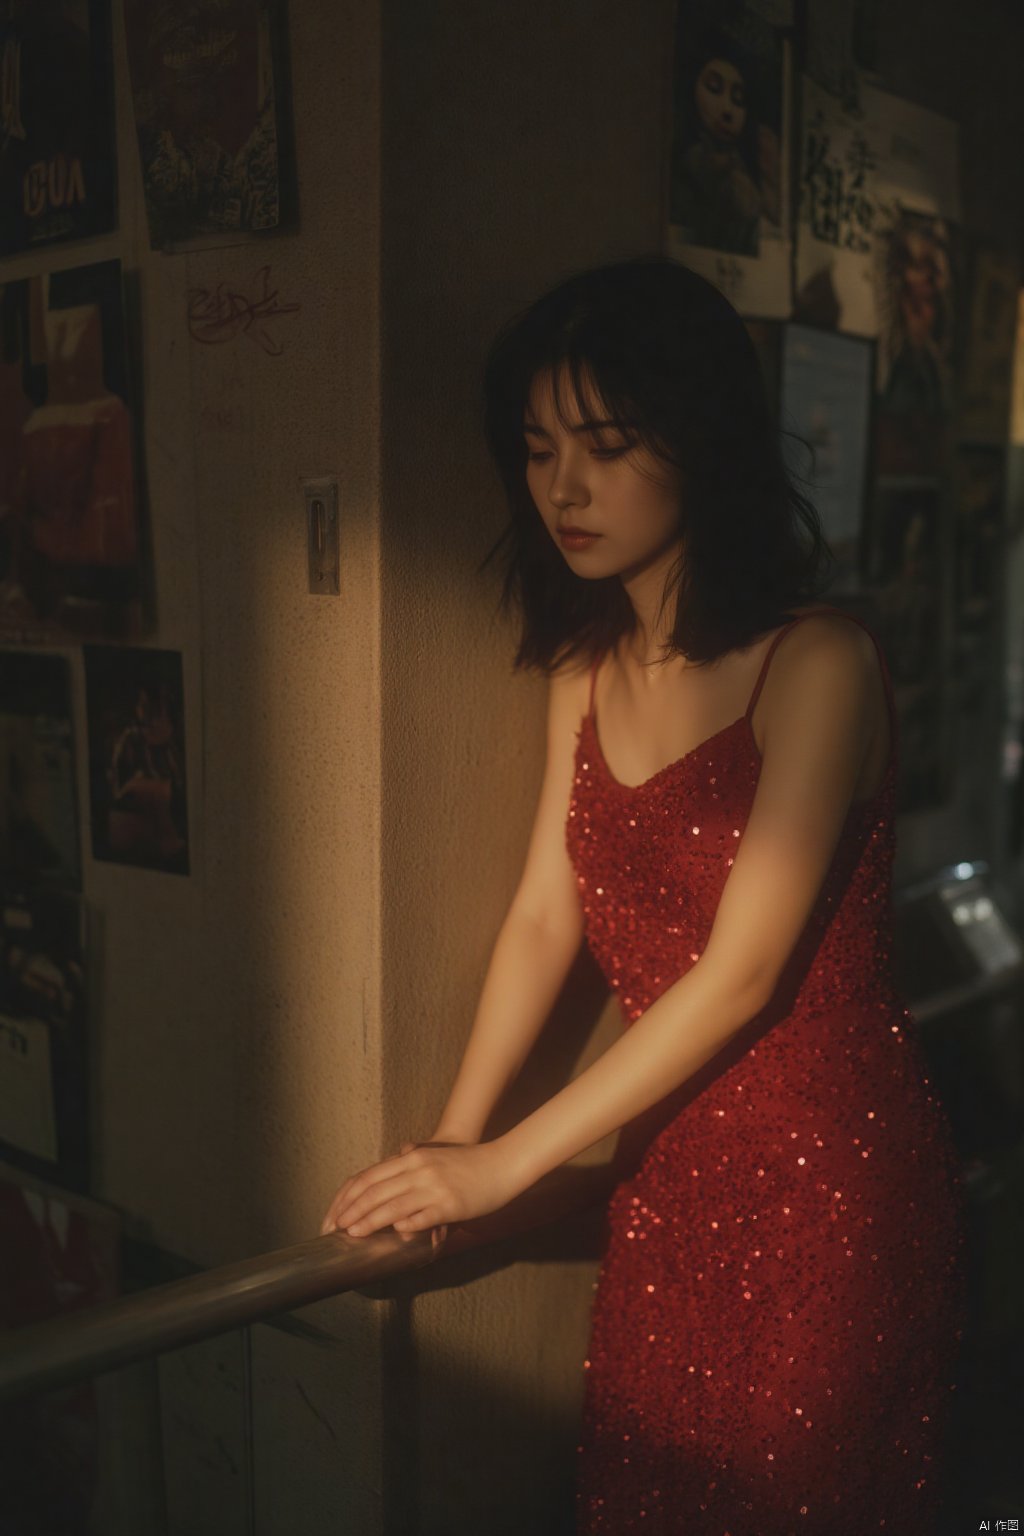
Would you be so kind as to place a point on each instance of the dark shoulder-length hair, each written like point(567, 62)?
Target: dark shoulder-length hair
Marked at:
point(673, 366)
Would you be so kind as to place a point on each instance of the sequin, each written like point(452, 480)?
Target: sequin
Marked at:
point(782, 1349)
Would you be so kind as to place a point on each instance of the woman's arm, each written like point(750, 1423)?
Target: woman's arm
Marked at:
point(527, 969)
point(819, 720)
point(820, 704)
point(536, 945)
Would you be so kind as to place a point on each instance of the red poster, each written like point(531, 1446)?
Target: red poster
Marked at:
point(58, 1253)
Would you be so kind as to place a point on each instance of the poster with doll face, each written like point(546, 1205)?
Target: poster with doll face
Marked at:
point(728, 193)
point(69, 522)
point(915, 298)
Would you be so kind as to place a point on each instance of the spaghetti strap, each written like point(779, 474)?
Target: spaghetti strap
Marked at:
point(765, 664)
point(883, 664)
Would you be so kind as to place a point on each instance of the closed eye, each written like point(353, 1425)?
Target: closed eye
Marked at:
point(597, 453)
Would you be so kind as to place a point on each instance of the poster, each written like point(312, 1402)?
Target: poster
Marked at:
point(988, 370)
point(137, 771)
point(39, 842)
point(206, 87)
point(979, 486)
point(861, 167)
point(728, 176)
point(909, 574)
point(44, 1090)
point(915, 298)
point(69, 506)
point(826, 403)
point(841, 41)
point(58, 1252)
point(57, 151)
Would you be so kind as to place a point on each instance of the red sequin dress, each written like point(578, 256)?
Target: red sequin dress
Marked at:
point(778, 1309)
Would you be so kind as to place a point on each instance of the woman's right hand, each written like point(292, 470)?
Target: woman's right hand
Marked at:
point(438, 1235)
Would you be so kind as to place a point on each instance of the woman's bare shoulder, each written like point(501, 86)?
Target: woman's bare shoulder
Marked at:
point(827, 643)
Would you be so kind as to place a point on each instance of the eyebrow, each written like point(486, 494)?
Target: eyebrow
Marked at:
point(531, 428)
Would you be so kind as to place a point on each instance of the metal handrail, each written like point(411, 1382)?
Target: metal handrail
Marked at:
point(128, 1328)
point(101, 1338)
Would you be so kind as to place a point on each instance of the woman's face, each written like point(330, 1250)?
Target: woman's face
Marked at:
point(584, 476)
point(721, 100)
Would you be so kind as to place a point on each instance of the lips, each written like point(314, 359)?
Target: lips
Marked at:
point(585, 533)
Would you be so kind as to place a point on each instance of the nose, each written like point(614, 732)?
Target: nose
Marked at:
point(567, 488)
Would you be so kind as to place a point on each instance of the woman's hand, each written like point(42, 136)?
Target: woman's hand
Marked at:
point(426, 1185)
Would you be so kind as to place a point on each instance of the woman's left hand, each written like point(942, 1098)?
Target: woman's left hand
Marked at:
point(426, 1187)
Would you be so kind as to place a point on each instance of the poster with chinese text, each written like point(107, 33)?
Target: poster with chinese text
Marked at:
point(861, 167)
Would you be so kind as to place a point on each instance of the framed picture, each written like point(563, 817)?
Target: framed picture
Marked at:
point(826, 407)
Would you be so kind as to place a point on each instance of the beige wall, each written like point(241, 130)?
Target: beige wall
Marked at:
point(520, 141)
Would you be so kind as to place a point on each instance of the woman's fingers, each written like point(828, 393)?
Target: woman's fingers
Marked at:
point(366, 1199)
point(380, 1198)
point(351, 1190)
point(395, 1209)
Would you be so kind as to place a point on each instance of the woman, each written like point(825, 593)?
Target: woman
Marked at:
point(775, 1324)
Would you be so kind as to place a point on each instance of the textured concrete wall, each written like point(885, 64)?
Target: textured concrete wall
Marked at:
point(520, 141)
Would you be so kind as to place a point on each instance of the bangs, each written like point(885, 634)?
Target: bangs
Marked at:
point(591, 381)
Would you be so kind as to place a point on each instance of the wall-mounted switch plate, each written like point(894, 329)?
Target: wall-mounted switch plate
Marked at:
point(322, 540)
